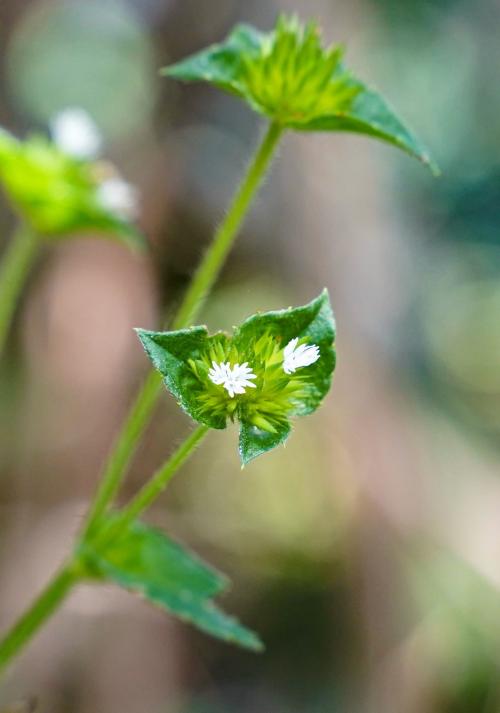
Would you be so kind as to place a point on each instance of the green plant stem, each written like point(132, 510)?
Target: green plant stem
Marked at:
point(142, 409)
point(45, 605)
point(225, 235)
point(13, 271)
point(153, 488)
point(60, 586)
point(203, 280)
point(157, 484)
point(124, 448)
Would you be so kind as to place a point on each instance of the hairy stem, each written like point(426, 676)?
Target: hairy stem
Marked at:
point(142, 409)
point(60, 586)
point(157, 484)
point(225, 235)
point(124, 448)
point(203, 281)
point(45, 605)
point(153, 488)
point(14, 269)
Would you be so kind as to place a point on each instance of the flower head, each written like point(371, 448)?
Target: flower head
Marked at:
point(296, 357)
point(75, 132)
point(289, 76)
point(234, 379)
point(249, 377)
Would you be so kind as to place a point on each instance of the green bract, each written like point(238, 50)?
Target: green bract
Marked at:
point(144, 560)
point(55, 194)
point(289, 77)
point(186, 358)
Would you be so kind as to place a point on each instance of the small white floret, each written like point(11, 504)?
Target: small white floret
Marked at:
point(76, 133)
point(234, 379)
point(296, 357)
point(120, 197)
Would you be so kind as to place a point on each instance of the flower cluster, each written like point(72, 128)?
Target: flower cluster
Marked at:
point(277, 365)
point(59, 188)
point(236, 379)
point(288, 76)
point(293, 79)
point(75, 132)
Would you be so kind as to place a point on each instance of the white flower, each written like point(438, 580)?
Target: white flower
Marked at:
point(75, 132)
point(296, 357)
point(234, 379)
point(120, 197)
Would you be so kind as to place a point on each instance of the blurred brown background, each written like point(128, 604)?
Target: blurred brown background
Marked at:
point(366, 553)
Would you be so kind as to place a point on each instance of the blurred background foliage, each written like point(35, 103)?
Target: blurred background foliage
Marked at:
point(366, 553)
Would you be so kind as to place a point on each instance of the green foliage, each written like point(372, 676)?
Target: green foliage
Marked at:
point(186, 357)
point(56, 194)
point(145, 561)
point(289, 77)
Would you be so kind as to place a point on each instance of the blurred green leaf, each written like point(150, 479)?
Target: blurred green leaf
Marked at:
point(58, 195)
point(289, 77)
point(187, 358)
point(145, 561)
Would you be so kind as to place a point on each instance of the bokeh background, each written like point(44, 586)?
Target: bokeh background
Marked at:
point(366, 553)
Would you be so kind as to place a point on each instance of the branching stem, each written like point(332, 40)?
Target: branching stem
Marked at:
point(44, 606)
point(202, 283)
point(142, 409)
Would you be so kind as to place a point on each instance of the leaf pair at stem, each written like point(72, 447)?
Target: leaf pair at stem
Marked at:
point(145, 561)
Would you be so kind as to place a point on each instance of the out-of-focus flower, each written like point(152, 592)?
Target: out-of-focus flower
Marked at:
point(58, 195)
point(75, 132)
point(119, 197)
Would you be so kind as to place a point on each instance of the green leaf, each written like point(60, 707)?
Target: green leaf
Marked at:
point(370, 114)
point(288, 76)
point(187, 359)
point(256, 441)
point(219, 64)
point(145, 561)
point(314, 322)
point(58, 195)
point(174, 354)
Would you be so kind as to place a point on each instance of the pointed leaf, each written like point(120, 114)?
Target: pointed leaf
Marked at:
point(219, 64)
point(58, 195)
point(255, 441)
point(316, 323)
point(288, 76)
point(173, 354)
point(145, 561)
point(371, 115)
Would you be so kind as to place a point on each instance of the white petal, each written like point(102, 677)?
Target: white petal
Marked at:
point(75, 132)
point(234, 379)
point(120, 197)
point(303, 355)
point(290, 346)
